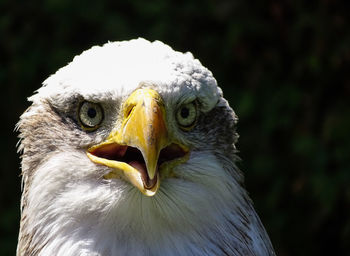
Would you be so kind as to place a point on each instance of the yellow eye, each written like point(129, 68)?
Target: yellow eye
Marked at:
point(90, 115)
point(186, 116)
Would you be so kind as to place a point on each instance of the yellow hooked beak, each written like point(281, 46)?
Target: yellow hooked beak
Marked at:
point(133, 150)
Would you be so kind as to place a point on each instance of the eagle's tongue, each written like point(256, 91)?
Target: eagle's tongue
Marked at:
point(141, 167)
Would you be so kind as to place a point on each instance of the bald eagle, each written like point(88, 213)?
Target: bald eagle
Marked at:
point(130, 150)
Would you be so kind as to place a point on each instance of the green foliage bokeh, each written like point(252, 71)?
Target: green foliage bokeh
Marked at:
point(283, 66)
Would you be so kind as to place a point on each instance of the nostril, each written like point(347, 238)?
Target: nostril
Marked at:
point(128, 109)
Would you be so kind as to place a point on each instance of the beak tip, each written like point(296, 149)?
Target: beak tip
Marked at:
point(152, 190)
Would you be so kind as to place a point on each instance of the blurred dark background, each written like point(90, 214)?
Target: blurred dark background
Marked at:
point(283, 65)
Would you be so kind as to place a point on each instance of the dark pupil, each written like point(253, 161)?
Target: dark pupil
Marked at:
point(185, 112)
point(91, 112)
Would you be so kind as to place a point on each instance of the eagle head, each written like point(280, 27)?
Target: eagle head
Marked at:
point(130, 150)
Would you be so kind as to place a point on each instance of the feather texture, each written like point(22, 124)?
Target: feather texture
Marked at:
point(67, 206)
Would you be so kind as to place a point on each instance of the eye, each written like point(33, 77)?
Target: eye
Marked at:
point(186, 115)
point(90, 115)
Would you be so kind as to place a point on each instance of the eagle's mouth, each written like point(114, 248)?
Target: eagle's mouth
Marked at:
point(140, 149)
point(133, 157)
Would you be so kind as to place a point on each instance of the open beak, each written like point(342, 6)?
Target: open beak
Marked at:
point(138, 149)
